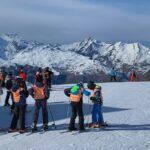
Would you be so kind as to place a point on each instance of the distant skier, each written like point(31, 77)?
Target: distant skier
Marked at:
point(76, 99)
point(97, 99)
point(39, 72)
point(113, 74)
point(22, 75)
point(132, 75)
point(20, 94)
point(8, 84)
point(40, 93)
point(48, 77)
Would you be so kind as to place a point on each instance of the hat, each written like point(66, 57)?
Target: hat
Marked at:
point(40, 69)
point(10, 73)
point(39, 78)
point(47, 68)
point(91, 85)
point(98, 87)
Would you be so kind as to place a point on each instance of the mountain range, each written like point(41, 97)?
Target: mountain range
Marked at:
point(88, 57)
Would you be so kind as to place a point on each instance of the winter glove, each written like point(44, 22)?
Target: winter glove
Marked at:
point(92, 98)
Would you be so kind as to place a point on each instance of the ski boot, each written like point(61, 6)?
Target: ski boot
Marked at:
point(45, 127)
point(34, 128)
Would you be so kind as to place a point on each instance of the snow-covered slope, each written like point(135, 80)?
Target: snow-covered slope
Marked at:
point(118, 53)
point(125, 108)
point(79, 57)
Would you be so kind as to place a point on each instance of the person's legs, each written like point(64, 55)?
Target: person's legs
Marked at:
point(73, 116)
point(99, 114)
point(80, 114)
point(94, 114)
point(36, 112)
point(111, 78)
point(15, 118)
point(7, 99)
point(115, 78)
point(22, 112)
point(44, 112)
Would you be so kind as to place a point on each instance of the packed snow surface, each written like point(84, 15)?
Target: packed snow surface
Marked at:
point(126, 109)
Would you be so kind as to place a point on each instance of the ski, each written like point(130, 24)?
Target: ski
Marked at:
point(42, 131)
point(66, 131)
point(79, 132)
point(3, 131)
point(32, 132)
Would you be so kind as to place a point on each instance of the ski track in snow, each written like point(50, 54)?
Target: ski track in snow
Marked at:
point(126, 108)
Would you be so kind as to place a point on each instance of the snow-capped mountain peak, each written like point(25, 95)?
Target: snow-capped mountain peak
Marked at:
point(79, 57)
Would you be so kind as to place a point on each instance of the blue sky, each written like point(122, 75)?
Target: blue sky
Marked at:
point(66, 21)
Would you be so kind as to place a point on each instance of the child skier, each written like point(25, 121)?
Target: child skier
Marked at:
point(40, 93)
point(97, 99)
point(20, 94)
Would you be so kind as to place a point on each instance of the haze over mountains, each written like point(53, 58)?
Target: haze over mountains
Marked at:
point(89, 56)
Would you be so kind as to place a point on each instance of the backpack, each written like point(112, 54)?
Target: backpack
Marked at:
point(39, 92)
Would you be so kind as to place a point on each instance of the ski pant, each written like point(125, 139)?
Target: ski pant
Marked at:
point(113, 78)
point(38, 105)
point(19, 113)
point(97, 116)
point(76, 109)
point(7, 98)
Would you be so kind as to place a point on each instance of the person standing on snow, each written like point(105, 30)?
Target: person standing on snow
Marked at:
point(39, 72)
point(20, 94)
point(113, 74)
point(48, 77)
point(76, 101)
point(40, 93)
point(8, 84)
point(133, 75)
point(22, 75)
point(97, 100)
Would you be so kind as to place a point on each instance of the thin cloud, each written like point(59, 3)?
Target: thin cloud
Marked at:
point(63, 21)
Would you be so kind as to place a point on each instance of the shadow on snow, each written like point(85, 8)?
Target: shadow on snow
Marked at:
point(60, 111)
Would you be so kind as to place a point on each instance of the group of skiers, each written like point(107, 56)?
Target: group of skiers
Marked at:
point(40, 91)
point(75, 95)
point(17, 89)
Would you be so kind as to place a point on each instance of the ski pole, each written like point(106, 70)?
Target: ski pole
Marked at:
point(89, 110)
point(52, 116)
point(27, 121)
point(68, 112)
